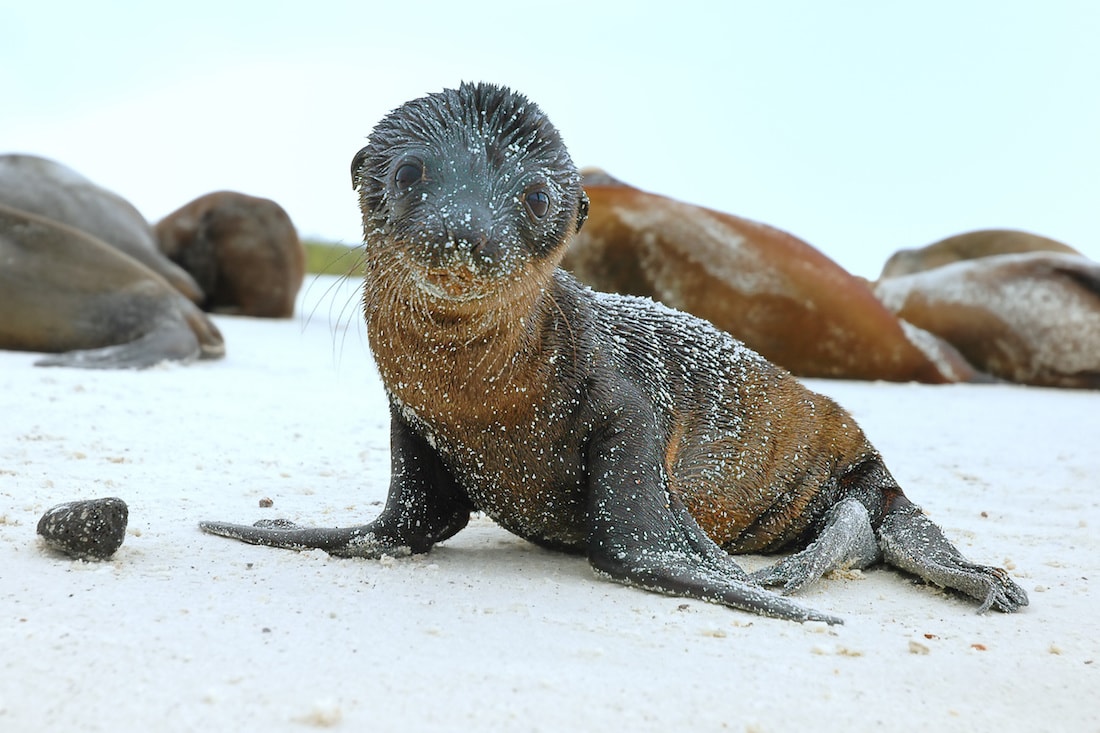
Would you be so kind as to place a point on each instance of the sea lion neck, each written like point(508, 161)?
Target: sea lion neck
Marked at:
point(487, 354)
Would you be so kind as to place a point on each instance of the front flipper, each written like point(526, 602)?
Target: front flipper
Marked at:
point(846, 541)
point(641, 535)
point(424, 506)
point(362, 541)
point(912, 542)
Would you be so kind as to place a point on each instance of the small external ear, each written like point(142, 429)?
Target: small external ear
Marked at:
point(357, 167)
point(582, 210)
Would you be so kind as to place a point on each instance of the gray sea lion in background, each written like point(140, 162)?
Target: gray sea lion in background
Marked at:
point(608, 425)
point(242, 250)
point(970, 246)
point(1030, 318)
point(47, 188)
point(63, 290)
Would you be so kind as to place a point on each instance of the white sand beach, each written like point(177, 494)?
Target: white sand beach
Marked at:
point(183, 631)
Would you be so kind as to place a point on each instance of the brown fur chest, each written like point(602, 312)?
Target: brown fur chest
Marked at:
point(523, 469)
point(484, 398)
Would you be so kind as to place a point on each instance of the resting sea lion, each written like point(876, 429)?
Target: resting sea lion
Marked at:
point(57, 192)
point(1028, 318)
point(242, 250)
point(587, 422)
point(62, 290)
point(782, 297)
point(969, 246)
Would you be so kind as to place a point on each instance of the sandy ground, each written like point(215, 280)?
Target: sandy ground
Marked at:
point(182, 631)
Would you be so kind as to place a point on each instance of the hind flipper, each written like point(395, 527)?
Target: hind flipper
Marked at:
point(846, 541)
point(678, 559)
point(171, 340)
point(642, 535)
point(912, 542)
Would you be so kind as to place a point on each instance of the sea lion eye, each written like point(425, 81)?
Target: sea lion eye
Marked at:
point(408, 174)
point(538, 203)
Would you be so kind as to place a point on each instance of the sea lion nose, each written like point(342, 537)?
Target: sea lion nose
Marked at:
point(470, 229)
point(469, 237)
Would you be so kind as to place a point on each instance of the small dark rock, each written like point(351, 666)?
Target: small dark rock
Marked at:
point(91, 529)
point(266, 503)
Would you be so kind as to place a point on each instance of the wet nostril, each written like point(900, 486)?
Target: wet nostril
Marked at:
point(480, 243)
point(473, 238)
point(470, 230)
point(472, 241)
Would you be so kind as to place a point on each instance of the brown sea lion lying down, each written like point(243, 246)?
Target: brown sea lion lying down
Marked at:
point(62, 290)
point(970, 246)
point(1027, 318)
point(779, 295)
point(601, 424)
point(242, 250)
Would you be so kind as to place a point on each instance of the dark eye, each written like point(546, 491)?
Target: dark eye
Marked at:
point(408, 174)
point(538, 203)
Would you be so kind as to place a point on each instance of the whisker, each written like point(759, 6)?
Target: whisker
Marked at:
point(348, 318)
point(347, 265)
point(355, 268)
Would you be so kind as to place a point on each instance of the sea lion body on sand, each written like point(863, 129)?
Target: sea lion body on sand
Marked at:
point(781, 296)
point(592, 423)
point(1030, 318)
point(62, 290)
point(242, 250)
point(54, 191)
point(970, 246)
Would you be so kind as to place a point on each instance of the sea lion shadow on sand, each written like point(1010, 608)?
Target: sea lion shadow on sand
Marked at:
point(598, 424)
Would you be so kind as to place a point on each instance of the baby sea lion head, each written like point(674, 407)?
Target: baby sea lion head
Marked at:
point(470, 189)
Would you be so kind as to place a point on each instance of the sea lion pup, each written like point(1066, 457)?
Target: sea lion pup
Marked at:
point(969, 246)
point(242, 250)
point(62, 290)
point(52, 190)
point(1030, 318)
point(781, 296)
point(592, 423)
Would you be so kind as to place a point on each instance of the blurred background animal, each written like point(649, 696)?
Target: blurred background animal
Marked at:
point(778, 294)
point(242, 250)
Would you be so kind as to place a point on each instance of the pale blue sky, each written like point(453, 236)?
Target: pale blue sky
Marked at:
point(861, 127)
